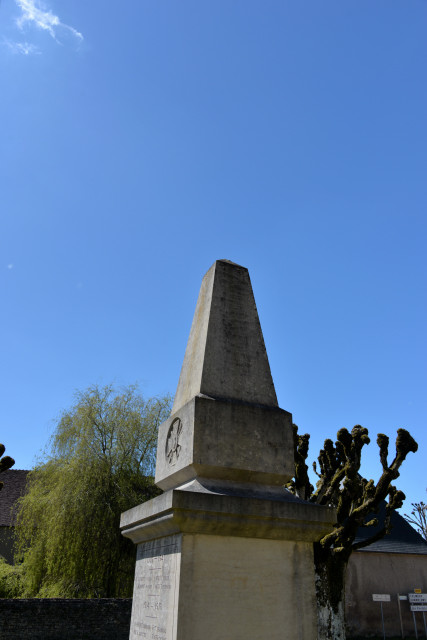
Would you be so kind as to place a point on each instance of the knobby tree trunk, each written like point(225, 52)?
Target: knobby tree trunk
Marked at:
point(330, 572)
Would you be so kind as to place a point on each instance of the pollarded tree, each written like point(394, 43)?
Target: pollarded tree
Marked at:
point(341, 486)
point(101, 462)
point(6, 462)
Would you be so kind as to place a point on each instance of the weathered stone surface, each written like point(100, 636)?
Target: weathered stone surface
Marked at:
point(156, 589)
point(65, 619)
point(196, 586)
point(225, 440)
point(195, 509)
point(226, 552)
point(225, 355)
point(225, 422)
point(245, 589)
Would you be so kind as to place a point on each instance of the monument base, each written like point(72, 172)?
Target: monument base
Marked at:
point(224, 567)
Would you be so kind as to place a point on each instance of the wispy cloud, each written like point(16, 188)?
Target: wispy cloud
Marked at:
point(10, 266)
point(35, 13)
point(22, 48)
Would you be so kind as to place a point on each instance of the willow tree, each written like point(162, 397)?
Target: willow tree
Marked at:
point(356, 501)
point(100, 463)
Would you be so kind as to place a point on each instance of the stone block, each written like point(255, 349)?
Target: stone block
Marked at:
point(224, 567)
point(197, 510)
point(198, 441)
point(195, 587)
point(226, 355)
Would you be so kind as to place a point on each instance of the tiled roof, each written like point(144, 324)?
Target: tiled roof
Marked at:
point(402, 538)
point(14, 481)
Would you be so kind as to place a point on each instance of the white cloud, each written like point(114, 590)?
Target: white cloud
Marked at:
point(10, 266)
point(35, 13)
point(23, 48)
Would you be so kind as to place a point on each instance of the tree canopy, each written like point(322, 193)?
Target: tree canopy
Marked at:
point(100, 462)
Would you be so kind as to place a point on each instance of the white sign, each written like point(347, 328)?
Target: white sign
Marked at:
point(403, 597)
point(418, 607)
point(381, 597)
point(417, 598)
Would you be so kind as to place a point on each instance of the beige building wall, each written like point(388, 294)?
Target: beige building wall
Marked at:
point(388, 573)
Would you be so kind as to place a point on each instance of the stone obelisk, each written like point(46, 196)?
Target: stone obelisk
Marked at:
point(225, 553)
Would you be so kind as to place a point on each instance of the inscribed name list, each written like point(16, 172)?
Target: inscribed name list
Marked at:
point(155, 595)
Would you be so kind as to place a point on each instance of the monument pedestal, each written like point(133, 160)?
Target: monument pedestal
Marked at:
point(225, 553)
point(224, 567)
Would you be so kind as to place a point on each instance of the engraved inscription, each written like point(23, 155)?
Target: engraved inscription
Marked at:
point(155, 594)
point(172, 441)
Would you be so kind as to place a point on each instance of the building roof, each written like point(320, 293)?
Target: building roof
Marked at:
point(14, 481)
point(402, 538)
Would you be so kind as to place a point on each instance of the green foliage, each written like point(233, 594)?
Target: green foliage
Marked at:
point(10, 579)
point(101, 461)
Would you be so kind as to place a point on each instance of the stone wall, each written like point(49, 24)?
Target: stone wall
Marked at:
point(60, 619)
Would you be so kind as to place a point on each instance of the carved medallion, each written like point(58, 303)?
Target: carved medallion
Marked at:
point(172, 441)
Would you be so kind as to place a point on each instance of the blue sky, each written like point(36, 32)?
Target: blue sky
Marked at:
point(142, 141)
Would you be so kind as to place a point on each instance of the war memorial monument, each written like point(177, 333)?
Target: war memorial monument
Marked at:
point(225, 553)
